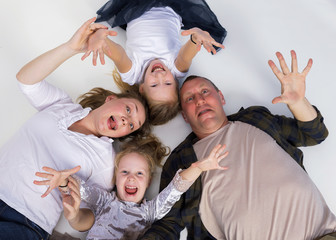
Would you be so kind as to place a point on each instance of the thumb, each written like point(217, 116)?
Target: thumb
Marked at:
point(186, 32)
point(75, 169)
point(277, 100)
point(112, 33)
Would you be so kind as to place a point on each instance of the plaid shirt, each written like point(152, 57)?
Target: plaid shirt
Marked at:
point(289, 133)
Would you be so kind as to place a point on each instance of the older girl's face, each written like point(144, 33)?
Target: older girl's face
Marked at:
point(132, 177)
point(118, 117)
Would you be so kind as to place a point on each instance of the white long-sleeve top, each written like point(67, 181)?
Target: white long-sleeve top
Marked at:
point(45, 140)
point(116, 219)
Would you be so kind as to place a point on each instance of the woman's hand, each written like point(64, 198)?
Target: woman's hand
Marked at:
point(79, 41)
point(71, 201)
point(55, 178)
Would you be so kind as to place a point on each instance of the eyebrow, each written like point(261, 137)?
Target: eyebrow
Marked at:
point(136, 110)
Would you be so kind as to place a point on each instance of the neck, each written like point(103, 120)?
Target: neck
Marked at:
point(205, 133)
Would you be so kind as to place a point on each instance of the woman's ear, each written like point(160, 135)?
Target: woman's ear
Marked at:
point(111, 97)
point(141, 90)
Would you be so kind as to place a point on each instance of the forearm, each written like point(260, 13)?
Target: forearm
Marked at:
point(185, 56)
point(118, 55)
point(191, 173)
point(303, 110)
point(83, 221)
point(39, 68)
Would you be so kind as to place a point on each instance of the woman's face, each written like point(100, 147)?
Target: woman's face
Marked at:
point(118, 117)
point(132, 177)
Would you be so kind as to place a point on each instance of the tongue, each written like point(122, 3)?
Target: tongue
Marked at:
point(131, 190)
point(112, 123)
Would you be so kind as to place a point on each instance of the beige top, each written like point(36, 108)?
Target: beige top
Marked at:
point(263, 195)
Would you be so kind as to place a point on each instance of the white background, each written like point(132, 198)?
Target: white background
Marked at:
point(256, 30)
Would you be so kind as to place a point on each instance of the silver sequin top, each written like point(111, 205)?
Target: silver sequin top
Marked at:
point(115, 219)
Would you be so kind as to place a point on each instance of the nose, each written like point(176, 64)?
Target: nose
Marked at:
point(124, 121)
point(199, 99)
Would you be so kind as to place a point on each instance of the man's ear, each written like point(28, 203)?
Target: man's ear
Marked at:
point(110, 97)
point(184, 117)
point(221, 97)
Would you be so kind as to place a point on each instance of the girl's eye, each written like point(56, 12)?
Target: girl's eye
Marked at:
point(153, 85)
point(132, 126)
point(140, 173)
point(168, 83)
point(128, 109)
point(124, 172)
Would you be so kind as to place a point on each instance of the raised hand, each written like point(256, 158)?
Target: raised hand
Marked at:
point(201, 37)
point(55, 178)
point(293, 83)
point(97, 45)
point(211, 162)
point(79, 41)
point(71, 202)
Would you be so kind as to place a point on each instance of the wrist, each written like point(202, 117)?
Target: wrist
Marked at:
point(191, 39)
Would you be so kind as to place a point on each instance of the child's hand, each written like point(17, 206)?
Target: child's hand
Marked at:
point(71, 202)
point(55, 178)
point(201, 37)
point(211, 162)
point(97, 45)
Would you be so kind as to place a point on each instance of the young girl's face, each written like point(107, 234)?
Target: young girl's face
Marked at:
point(159, 83)
point(132, 177)
point(118, 117)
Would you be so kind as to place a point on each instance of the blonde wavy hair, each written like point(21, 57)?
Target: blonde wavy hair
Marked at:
point(159, 112)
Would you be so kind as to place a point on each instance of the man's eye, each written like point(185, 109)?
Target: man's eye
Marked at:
point(128, 109)
point(204, 91)
point(189, 99)
point(132, 126)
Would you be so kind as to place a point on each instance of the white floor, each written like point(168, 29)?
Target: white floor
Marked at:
point(256, 30)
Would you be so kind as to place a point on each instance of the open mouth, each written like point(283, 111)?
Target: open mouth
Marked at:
point(203, 112)
point(112, 123)
point(157, 67)
point(131, 190)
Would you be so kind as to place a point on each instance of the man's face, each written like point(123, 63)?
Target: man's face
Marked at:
point(202, 106)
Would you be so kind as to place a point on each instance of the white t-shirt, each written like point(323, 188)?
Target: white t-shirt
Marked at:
point(45, 140)
point(154, 35)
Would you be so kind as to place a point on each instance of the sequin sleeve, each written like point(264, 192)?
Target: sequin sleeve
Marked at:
point(165, 200)
point(92, 197)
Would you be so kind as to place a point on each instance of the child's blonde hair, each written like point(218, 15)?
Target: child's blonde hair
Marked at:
point(150, 147)
point(159, 112)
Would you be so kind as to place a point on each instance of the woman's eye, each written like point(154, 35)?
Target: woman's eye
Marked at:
point(128, 109)
point(132, 126)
